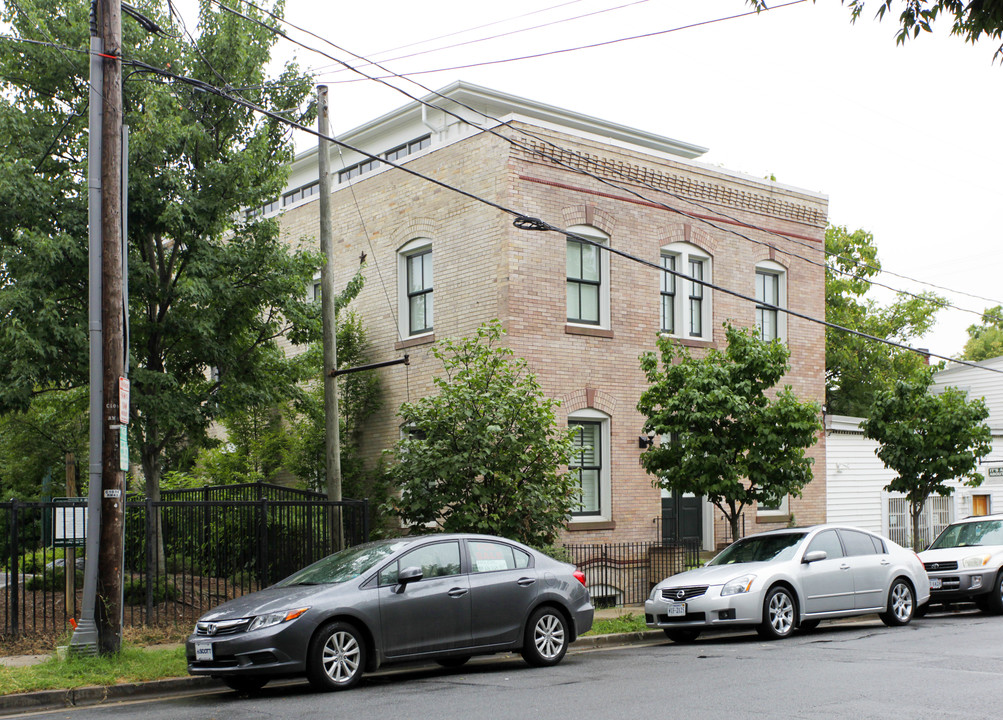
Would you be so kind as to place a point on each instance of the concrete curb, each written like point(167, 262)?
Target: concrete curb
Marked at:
point(156, 689)
point(98, 694)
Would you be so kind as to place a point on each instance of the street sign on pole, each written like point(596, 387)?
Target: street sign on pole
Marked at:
point(123, 401)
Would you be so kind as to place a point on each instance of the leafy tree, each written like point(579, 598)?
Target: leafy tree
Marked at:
point(209, 292)
point(722, 435)
point(928, 440)
point(484, 454)
point(52, 431)
point(985, 340)
point(857, 368)
point(970, 20)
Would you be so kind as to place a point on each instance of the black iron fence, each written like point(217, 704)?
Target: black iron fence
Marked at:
point(624, 573)
point(181, 557)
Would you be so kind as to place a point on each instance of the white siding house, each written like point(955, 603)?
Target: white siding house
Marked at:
point(856, 476)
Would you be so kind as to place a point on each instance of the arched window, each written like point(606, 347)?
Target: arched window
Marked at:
point(685, 304)
point(771, 290)
point(590, 463)
point(587, 277)
point(414, 287)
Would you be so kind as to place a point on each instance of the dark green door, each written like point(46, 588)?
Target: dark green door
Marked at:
point(682, 517)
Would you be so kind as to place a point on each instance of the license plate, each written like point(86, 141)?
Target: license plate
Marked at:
point(203, 652)
point(936, 583)
point(676, 610)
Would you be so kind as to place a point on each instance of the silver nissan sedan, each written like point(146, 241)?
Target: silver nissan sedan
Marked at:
point(781, 580)
point(431, 597)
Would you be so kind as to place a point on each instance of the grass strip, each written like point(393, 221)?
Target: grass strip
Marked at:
point(132, 664)
point(625, 623)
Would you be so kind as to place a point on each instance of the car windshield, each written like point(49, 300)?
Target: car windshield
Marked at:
point(345, 565)
point(760, 548)
point(970, 534)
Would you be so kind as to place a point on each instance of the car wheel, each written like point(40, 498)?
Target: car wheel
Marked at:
point(901, 604)
point(546, 638)
point(336, 657)
point(681, 636)
point(808, 625)
point(245, 683)
point(778, 614)
point(994, 600)
point(453, 662)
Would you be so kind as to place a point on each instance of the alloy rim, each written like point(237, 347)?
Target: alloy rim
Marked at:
point(781, 613)
point(341, 657)
point(902, 601)
point(548, 636)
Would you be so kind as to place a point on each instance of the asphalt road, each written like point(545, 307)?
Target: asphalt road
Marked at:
point(940, 666)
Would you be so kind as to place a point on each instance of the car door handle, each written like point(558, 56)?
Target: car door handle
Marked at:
point(457, 592)
point(844, 567)
point(885, 562)
point(526, 581)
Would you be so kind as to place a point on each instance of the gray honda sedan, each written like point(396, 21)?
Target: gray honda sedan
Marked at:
point(433, 597)
point(780, 580)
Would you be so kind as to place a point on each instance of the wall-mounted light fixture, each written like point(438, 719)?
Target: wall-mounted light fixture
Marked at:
point(646, 441)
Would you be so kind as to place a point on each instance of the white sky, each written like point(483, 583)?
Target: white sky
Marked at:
point(903, 139)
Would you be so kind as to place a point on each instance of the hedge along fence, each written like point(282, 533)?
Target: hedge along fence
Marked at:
point(213, 551)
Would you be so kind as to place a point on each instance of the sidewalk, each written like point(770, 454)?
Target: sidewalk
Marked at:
point(154, 689)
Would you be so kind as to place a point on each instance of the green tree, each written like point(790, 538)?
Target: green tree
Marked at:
point(856, 368)
point(210, 293)
point(722, 434)
point(928, 440)
point(484, 454)
point(970, 20)
point(985, 340)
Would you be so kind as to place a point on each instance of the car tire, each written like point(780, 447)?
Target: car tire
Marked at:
point(453, 662)
point(546, 639)
point(245, 683)
point(779, 613)
point(808, 625)
point(336, 657)
point(901, 604)
point(683, 636)
point(994, 600)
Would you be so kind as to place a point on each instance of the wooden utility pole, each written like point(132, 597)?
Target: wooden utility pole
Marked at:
point(332, 427)
point(108, 615)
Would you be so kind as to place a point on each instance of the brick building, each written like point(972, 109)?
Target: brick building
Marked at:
point(439, 264)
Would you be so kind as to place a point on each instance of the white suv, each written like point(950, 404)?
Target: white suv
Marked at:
point(964, 563)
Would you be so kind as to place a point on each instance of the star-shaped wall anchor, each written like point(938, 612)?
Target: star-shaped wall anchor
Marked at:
point(362, 258)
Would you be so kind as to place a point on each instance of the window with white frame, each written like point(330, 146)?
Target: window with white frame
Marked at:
point(933, 518)
point(587, 278)
point(686, 304)
point(590, 463)
point(771, 289)
point(415, 287)
point(777, 510)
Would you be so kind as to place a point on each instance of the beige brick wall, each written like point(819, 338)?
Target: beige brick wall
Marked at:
point(486, 268)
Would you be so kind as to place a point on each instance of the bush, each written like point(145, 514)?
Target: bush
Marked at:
point(53, 579)
point(134, 591)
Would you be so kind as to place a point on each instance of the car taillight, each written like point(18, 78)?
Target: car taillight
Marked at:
point(580, 577)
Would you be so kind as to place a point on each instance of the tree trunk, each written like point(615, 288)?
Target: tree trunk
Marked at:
point(151, 472)
point(916, 509)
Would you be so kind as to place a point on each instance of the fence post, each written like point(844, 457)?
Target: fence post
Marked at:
point(14, 540)
point(263, 544)
point(151, 538)
point(365, 520)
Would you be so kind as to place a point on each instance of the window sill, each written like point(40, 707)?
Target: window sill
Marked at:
point(578, 526)
point(763, 518)
point(417, 340)
point(588, 331)
point(688, 341)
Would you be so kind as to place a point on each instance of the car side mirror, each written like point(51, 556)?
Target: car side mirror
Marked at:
point(815, 556)
point(406, 576)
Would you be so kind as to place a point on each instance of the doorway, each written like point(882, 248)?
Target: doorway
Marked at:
point(980, 504)
point(682, 518)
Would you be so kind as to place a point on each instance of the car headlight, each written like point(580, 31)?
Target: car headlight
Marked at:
point(655, 593)
point(275, 618)
point(738, 586)
point(975, 561)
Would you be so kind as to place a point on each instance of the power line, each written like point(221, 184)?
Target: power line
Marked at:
point(525, 222)
point(934, 301)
